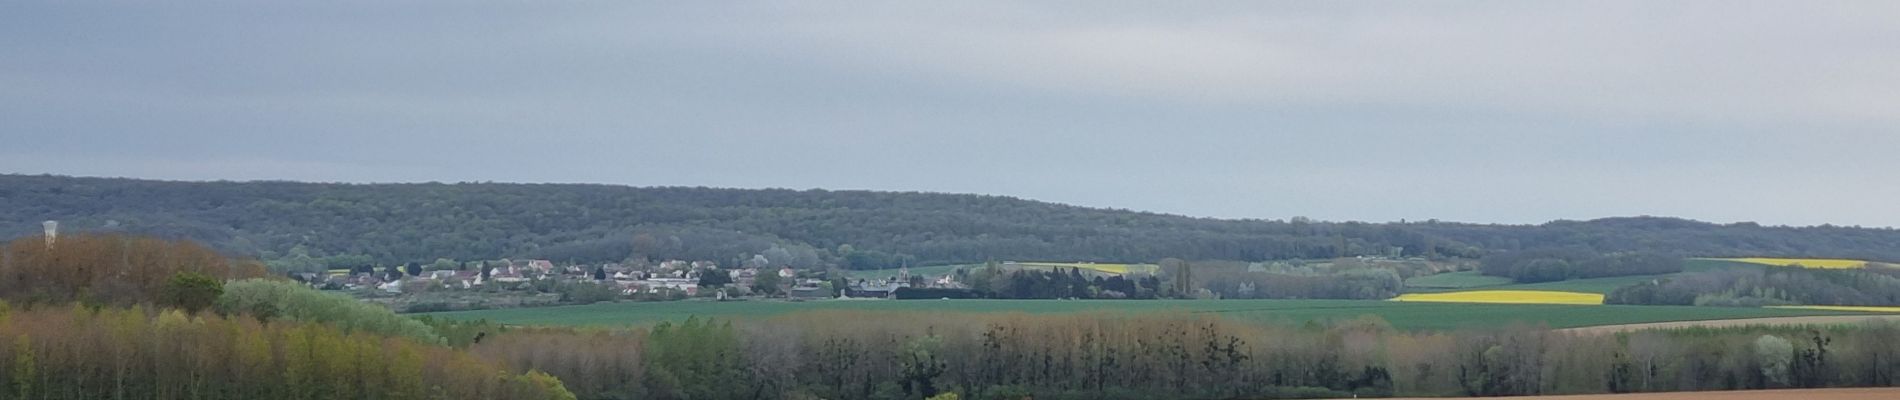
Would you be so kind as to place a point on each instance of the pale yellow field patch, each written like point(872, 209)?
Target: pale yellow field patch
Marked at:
point(1506, 297)
point(1823, 263)
point(1878, 309)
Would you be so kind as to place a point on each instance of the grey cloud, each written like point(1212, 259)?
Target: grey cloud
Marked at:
point(1778, 112)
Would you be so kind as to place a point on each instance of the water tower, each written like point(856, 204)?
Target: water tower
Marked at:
point(52, 232)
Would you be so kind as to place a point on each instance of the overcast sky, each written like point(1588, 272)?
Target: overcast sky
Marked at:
point(1500, 111)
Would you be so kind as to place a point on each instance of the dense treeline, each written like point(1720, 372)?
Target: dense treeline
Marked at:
point(54, 353)
point(1769, 286)
point(346, 225)
point(122, 317)
point(396, 223)
point(1556, 264)
point(864, 355)
point(111, 269)
point(269, 300)
point(1060, 283)
point(1339, 279)
point(1205, 279)
point(1676, 236)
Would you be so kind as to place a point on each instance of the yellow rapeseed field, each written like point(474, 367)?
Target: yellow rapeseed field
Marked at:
point(1825, 263)
point(1845, 308)
point(1506, 296)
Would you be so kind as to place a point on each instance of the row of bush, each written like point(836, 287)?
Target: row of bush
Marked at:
point(1557, 264)
point(1749, 287)
point(858, 355)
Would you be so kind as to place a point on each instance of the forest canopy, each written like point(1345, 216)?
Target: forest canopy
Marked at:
point(330, 225)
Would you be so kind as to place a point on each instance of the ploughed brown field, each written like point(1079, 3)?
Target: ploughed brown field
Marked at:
point(1811, 320)
point(1800, 394)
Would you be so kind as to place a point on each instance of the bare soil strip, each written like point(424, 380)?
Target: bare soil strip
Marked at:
point(1802, 394)
point(1812, 320)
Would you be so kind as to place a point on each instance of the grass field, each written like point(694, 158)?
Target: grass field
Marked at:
point(1506, 297)
point(1592, 285)
point(1471, 280)
point(1456, 280)
point(1404, 315)
point(1826, 263)
point(1711, 264)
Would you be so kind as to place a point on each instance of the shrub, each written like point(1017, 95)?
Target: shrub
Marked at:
point(191, 291)
point(1775, 355)
point(269, 300)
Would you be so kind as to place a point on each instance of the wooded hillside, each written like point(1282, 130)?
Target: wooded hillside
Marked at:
point(353, 224)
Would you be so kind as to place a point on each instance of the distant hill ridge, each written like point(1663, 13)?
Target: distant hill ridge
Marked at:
point(420, 222)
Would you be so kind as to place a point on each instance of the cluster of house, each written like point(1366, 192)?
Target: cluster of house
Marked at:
point(671, 275)
point(887, 287)
point(511, 272)
point(674, 276)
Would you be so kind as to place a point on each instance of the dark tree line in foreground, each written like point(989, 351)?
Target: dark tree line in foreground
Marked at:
point(68, 352)
point(345, 225)
point(78, 353)
point(876, 355)
point(119, 317)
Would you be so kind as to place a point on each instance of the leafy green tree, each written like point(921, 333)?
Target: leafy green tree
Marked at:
point(294, 302)
point(253, 358)
point(25, 370)
point(1776, 357)
point(352, 262)
point(713, 277)
point(695, 359)
point(767, 282)
point(300, 365)
point(405, 376)
point(297, 260)
point(541, 386)
point(192, 291)
point(588, 292)
point(922, 365)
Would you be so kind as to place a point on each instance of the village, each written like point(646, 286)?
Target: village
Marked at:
point(581, 283)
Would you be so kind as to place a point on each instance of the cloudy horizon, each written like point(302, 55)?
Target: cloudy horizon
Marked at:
point(1492, 112)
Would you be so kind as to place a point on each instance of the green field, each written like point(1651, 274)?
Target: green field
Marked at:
point(1475, 282)
point(1593, 285)
point(1456, 280)
point(1402, 315)
point(1472, 280)
point(1705, 264)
